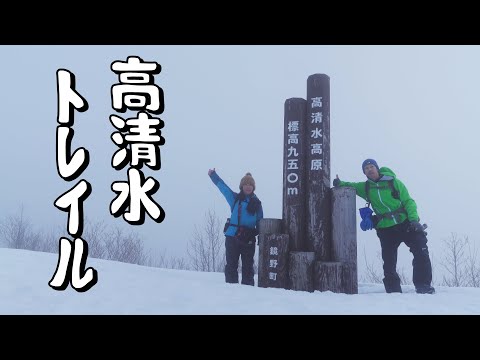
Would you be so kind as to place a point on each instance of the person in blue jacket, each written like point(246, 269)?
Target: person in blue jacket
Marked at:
point(240, 233)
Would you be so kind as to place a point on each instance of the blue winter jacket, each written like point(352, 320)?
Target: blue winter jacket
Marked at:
point(246, 219)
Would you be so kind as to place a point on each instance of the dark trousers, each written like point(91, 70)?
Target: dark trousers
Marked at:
point(390, 240)
point(234, 249)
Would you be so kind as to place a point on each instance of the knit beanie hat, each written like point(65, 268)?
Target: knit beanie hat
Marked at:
point(368, 162)
point(247, 180)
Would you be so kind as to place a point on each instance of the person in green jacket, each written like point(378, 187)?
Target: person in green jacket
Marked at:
point(396, 220)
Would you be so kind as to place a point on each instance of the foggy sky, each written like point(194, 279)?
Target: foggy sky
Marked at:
point(414, 109)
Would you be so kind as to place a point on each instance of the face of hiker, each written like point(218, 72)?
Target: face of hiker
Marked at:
point(371, 171)
point(247, 189)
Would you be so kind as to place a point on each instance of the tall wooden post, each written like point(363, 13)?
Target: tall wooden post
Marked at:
point(318, 166)
point(294, 181)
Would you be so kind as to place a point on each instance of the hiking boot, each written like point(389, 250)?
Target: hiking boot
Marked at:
point(427, 289)
point(392, 285)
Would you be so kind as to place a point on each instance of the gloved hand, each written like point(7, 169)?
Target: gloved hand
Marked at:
point(366, 224)
point(336, 181)
point(415, 226)
point(367, 221)
point(365, 212)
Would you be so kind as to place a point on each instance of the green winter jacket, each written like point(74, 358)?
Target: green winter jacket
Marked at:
point(382, 200)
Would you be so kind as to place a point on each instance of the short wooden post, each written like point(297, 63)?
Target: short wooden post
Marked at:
point(301, 270)
point(270, 226)
point(335, 276)
point(273, 260)
point(272, 254)
point(328, 276)
point(349, 278)
point(344, 237)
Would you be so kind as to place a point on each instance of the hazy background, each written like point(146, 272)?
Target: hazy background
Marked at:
point(414, 109)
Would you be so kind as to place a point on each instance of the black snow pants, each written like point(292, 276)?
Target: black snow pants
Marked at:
point(235, 248)
point(390, 240)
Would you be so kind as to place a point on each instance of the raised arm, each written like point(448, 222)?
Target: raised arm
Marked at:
point(224, 189)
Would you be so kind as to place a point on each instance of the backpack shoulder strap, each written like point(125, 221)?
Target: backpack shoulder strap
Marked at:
point(237, 195)
point(367, 191)
point(239, 212)
point(395, 193)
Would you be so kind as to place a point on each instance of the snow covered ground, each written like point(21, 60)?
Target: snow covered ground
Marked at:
point(132, 289)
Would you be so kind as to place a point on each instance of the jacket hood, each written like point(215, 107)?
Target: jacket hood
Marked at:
point(387, 172)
